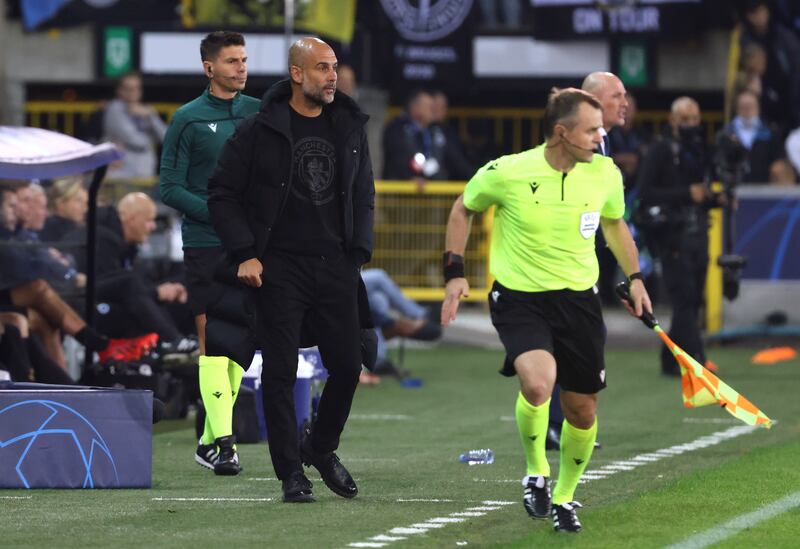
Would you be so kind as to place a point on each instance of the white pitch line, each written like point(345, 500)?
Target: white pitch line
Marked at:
point(386, 538)
point(16, 497)
point(406, 531)
point(428, 525)
point(720, 420)
point(212, 499)
point(380, 417)
point(605, 471)
point(738, 524)
point(422, 500)
point(483, 508)
point(366, 544)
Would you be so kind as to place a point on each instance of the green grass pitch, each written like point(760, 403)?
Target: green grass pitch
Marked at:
point(402, 444)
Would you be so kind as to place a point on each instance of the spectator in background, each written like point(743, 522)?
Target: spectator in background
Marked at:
point(793, 148)
point(22, 353)
point(395, 315)
point(753, 67)
point(134, 127)
point(782, 173)
point(755, 136)
point(31, 207)
point(412, 148)
point(347, 81)
point(627, 147)
point(456, 163)
point(22, 291)
point(69, 203)
point(781, 82)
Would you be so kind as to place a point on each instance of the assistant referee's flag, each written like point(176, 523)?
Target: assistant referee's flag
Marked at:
point(699, 387)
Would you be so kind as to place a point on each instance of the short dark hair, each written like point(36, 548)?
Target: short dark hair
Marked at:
point(563, 105)
point(215, 41)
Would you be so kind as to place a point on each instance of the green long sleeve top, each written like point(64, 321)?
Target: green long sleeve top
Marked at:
point(192, 145)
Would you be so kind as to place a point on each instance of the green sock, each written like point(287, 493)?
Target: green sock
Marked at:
point(215, 388)
point(532, 424)
point(576, 449)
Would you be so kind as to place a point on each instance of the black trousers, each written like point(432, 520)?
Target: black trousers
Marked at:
point(133, 310)
point(323, 291)
point(684, 268)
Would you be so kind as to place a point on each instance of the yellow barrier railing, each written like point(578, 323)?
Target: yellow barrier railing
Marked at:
point(410, 223)
point(511, 130)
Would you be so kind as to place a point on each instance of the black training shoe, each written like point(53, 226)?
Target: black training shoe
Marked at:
point(206, 455)
point(536, 497)
point(228, 462)
point(565, 519)
point(333, 473)
point(297, 489)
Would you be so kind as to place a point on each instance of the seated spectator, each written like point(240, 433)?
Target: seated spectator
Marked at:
point(456, 163)
point(782, 173)
point(69, 203)
point(21, 290)
point(48, 263)
point(395, 315)
point(131, 305)
point(22, 354)
point(755, 136)
point(134, 127)
point(412, 148)
point(780, 98)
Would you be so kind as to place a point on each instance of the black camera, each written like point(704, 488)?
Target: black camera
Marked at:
point(732, 266)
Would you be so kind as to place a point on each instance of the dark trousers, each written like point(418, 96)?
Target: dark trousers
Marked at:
point(684, 269)
point(133, 310)
point(324, 292)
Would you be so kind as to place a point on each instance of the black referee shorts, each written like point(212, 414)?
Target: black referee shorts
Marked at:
point(201, 263)
point(565, 323)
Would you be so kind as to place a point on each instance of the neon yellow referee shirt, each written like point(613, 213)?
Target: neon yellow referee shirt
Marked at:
point(545, 220)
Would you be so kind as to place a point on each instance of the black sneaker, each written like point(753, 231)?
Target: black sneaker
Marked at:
point(206, 455)
point(228, 462)
point(565, 519)
point(297, 489)
point(536, 497)
point(333, 473)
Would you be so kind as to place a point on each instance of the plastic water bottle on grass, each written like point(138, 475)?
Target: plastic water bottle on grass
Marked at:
point(484, 456)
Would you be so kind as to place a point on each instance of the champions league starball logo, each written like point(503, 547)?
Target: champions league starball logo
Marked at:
point(426, 20)
point(43, 439)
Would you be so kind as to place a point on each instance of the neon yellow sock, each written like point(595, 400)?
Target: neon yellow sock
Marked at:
point(215, 388)
point(208, 434)
point(235, 373)
point(576, 450)
point(532, 424)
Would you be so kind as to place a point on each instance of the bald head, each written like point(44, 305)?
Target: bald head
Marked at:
point(137, 213)
point(610, 91)
point(312, 70)
point(685, 112)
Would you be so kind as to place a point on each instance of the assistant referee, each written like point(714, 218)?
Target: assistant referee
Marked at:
point(549, 202)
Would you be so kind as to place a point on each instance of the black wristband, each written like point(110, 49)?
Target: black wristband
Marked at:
point(636, 276)
point(453, 266)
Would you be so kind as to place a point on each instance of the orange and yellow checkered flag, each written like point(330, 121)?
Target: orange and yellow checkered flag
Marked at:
point(700, 387)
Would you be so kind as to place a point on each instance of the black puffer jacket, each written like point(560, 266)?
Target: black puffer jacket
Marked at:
point(249, 188)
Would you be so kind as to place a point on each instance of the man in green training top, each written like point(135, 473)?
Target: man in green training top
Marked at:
point(549, 202)
point(192, 145)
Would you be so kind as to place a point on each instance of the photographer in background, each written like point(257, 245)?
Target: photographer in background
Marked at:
point(673, 216)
